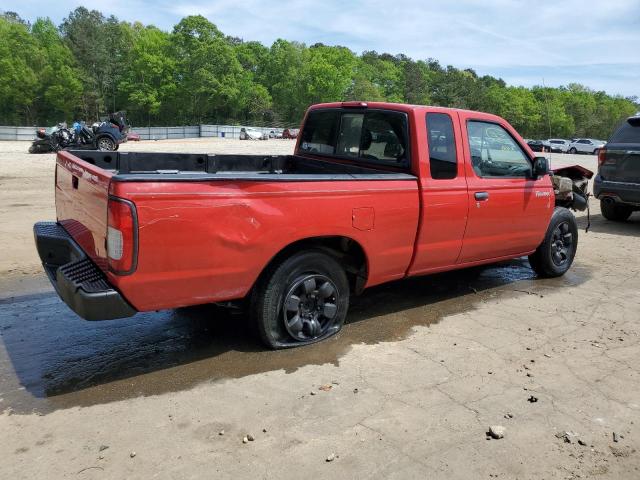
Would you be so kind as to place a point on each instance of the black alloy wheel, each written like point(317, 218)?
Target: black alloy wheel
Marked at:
point(310, 307)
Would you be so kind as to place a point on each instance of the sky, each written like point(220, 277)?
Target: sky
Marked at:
point(592, 42)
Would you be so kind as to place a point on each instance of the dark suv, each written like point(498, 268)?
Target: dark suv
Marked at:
point(617, 183)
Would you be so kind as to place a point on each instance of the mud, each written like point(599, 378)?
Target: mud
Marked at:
point(159, 352)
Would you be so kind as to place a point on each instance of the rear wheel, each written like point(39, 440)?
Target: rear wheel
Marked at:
point(573, 150)
point(555, 254)
point(615, 211)
point(105, 143)
point(302, 300)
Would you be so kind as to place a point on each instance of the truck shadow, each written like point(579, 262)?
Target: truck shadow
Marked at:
point(60, 361)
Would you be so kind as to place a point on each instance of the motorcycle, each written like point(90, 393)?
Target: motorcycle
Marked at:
point(53, 140)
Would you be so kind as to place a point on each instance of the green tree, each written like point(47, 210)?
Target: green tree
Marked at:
point(99, 46)
point(60, 86)
point(195, 73)
point(147, 81)
point(209, 75)
point(18, 79)
point(326, 74)
point(282, 75)
point(386, 74)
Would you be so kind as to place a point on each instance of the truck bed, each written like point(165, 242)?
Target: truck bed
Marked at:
point(154, 167)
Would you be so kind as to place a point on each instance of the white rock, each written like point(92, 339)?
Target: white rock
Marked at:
point(497, 431)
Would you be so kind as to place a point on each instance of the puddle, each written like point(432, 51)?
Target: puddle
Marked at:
point(51, 359)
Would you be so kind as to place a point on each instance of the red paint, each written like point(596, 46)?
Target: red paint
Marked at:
point(202, 242)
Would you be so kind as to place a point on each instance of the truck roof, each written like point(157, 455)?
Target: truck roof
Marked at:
point(403, 107)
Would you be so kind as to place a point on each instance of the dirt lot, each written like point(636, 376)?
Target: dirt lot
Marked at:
point(407, 390)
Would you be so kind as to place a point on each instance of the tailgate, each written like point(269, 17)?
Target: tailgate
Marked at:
point(82, 193)
point(621, 163)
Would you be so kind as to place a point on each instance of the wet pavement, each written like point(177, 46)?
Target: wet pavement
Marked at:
point(51, 359)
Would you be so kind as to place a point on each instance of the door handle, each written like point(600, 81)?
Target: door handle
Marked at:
point(480, 196)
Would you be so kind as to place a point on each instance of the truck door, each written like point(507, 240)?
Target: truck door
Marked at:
point(508, 210)
point(444, 196)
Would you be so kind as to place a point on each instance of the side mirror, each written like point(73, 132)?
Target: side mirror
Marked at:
point(540, 167)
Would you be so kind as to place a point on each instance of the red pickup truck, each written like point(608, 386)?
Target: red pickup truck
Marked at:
point(374, 192)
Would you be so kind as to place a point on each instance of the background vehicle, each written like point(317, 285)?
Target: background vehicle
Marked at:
point(617, 183)
point(558, 145)
point(374, 192)
point(585, 145)
point(539, 145)
point(275, 134)
point(290, 133)
point(247, 133)
point(101, 136)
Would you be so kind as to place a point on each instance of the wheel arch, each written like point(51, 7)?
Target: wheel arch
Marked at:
point(347, 251)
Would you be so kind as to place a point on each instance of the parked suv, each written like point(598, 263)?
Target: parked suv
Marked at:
point(617, 183)
point(586, 145)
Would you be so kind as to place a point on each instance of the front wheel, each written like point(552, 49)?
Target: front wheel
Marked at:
point(573, 151)
point(555, 254)
point(302, 300)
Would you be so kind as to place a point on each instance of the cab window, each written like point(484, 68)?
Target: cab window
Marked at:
point(494, 153)
point(442, 147)
point(372, 136)
point(319, 133)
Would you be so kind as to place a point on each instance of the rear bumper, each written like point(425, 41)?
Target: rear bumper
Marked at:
point(77, 280)
point(621, 192)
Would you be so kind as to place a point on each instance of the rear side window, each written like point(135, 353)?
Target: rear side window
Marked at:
point(628, 132)
point(442, 146)
point(373, 136)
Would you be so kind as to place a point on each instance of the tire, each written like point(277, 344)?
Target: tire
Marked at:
point(105, 144)
point(302, 300)
point(595, 151)
point(573, 150)
point(555, 254)
point(33, 149)
point(614, 211)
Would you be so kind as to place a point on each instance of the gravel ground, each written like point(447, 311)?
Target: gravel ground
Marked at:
point(409, 389)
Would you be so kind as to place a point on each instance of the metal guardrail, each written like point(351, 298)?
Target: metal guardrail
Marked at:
point(18, 133)
point(151, 133)
point(163, 133)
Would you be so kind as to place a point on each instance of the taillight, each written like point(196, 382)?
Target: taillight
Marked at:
point(602, 156)
point(122, 236)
